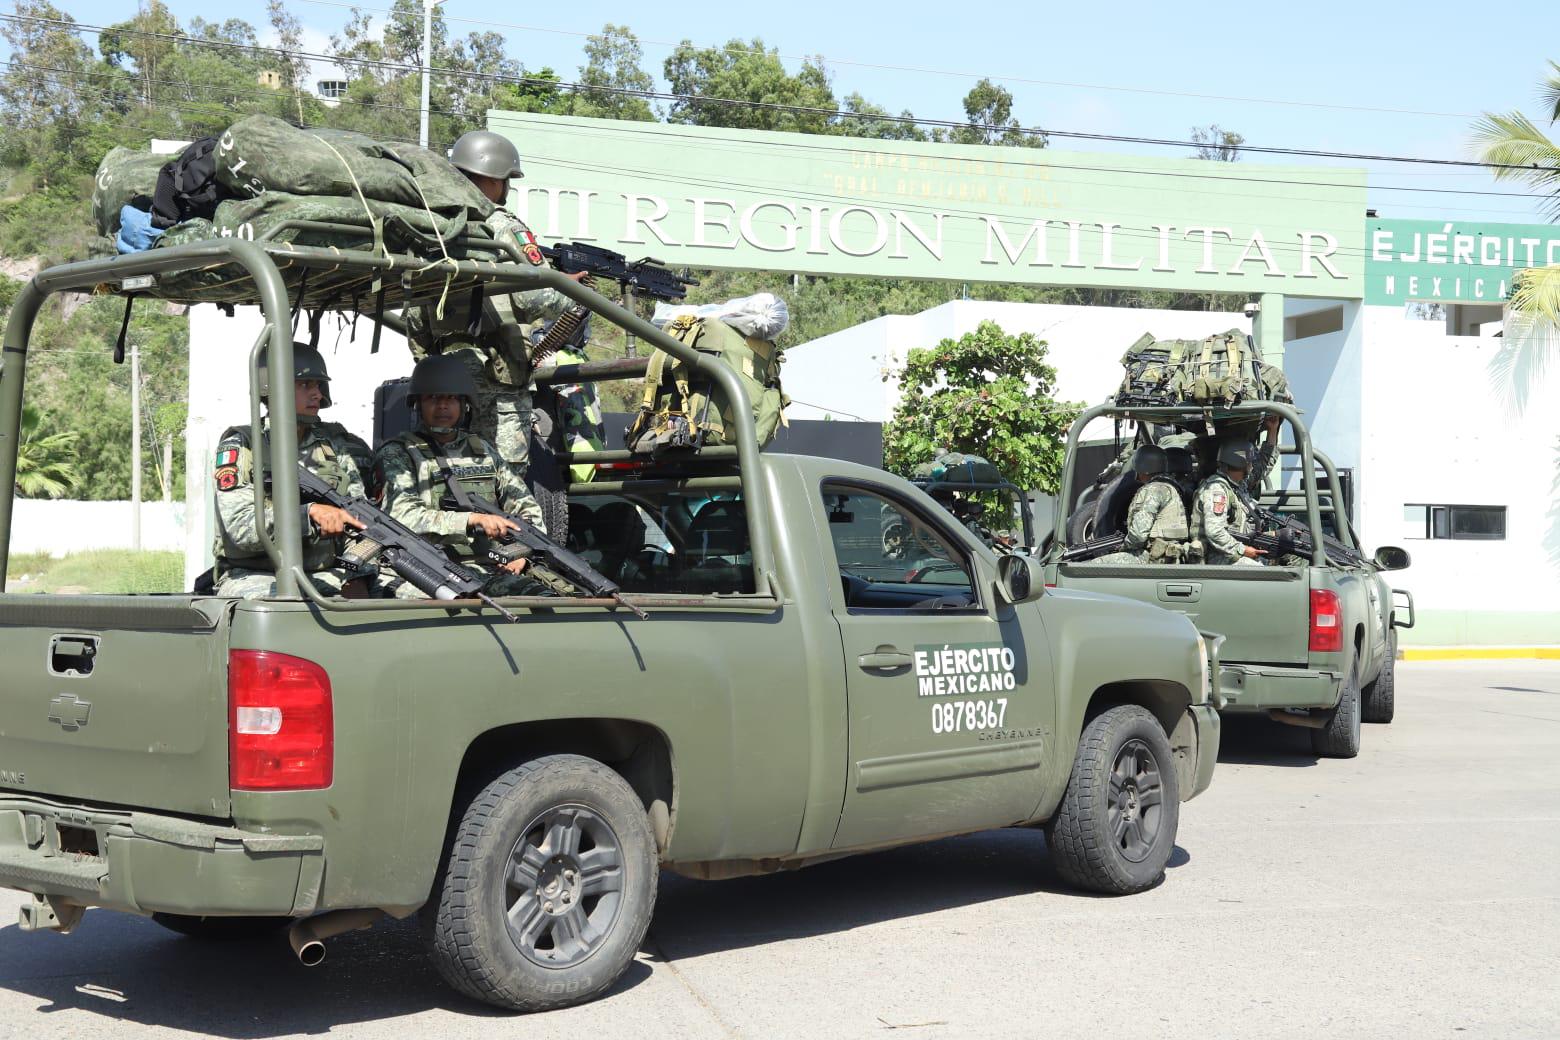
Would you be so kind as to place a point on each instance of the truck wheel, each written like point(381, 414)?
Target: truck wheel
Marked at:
point(1340, 738)
point(1115, 828)
point(222, 929)
point(549, 887)
point(1080, 526)
point(1378, 700)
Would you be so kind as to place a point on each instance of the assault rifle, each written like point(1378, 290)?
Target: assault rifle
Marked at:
point(525, 541)
point(385, 539)
point(1092, 548)
point(1281, 535)
point(648, 278)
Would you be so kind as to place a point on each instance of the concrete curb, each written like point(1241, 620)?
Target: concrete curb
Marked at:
point(1479, 653)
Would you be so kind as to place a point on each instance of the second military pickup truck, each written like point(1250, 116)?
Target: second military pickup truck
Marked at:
point(1308, 639)
point(801, 688)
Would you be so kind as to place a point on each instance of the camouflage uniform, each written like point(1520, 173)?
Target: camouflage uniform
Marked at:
point(1157, 531)
point(498, 361)
point(1219, 509)
point(416, 494)
point(242, 567)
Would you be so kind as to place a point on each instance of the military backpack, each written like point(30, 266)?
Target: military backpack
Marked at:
point(1225, 369)
point(677, 408)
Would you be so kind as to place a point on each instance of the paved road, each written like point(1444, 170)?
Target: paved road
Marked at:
point(1412, 891)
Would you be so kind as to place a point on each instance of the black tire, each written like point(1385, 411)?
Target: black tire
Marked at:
point(1080, 526)
point(1115, 829)
point(1340, 738)
point(524, 915)
point(223, 929)
point(549, 483)
point(1378, 700)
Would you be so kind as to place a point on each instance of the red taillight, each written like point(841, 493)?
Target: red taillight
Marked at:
point(281, 733)
point(1326, 622)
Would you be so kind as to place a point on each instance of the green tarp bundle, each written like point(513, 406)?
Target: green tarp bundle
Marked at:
point(378, 196)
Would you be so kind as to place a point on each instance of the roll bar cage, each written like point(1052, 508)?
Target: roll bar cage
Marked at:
point(1170, 414)
point(411, 278)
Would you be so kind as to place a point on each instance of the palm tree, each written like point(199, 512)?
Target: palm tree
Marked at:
point(1512, 141)
point(45, 462)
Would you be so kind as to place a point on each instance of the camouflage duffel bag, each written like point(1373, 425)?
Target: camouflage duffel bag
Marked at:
point(405, 229)
point(1219, 370)
point(122, 176)
point(261, 154)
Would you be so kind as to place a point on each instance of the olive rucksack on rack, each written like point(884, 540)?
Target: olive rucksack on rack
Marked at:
point(1225, 369)
point(677, 409)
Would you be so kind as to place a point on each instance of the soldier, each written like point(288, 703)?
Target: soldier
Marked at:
point(327, 449)
point(1182, 467)
point(1221, 507)
point(498, 356)
point(1157, 531)
point(415, 465)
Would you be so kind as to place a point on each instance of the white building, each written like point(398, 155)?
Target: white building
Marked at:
point(1451, 457)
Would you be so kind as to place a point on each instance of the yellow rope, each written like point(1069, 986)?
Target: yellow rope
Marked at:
point(433, 222)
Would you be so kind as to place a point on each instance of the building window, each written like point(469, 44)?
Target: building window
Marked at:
point(1477, 523)
point(332, 89)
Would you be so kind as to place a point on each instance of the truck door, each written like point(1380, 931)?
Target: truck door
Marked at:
point(949, 697)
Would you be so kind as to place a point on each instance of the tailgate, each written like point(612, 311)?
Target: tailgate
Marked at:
point(1263, 612)
point(120, 700)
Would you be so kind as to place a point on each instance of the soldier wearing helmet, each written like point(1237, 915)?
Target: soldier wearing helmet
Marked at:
point(428, 471)
point(1157, 531)
point(1221, 510)
point(326, 448)
point(498, 354)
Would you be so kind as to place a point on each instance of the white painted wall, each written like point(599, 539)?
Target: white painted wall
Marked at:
point(1440, 425)
point(61, 526)
point(219, 397)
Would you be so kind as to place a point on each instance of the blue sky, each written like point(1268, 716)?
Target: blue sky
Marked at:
point(1438, 64)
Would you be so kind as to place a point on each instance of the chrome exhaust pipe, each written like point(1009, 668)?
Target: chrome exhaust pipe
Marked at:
point(307, 937)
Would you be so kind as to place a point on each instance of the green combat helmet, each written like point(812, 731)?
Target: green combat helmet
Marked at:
point(1150, 460)
point(443, 374)
point(308, 363)
point(1235, 453)
point(486, 154)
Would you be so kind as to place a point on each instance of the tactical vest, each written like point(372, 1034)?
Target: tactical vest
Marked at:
point(1238, 517)
point(316, 451)
point(1169, 537)
point(475, 471)
point(677, 409)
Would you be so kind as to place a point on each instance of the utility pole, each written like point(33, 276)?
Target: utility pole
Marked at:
point(135, 448)
point(427, 60)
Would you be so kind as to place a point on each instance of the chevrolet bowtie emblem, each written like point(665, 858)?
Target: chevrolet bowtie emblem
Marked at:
point(69, 712)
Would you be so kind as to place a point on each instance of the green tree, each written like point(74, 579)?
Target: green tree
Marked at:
point(989, 109)
point(45, 457)
point(612, 63)
point(1524, 152)
point(43, 109)
point(1216, 143)
point(753, 73)
point(864, 119)
point(986, 393)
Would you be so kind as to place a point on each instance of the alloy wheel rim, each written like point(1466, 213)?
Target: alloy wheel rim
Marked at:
point(563, 887)
point(1136, 801)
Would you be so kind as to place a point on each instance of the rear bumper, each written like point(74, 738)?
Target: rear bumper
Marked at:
point(1205, 721)
point(1256, 688)
point(145, 862)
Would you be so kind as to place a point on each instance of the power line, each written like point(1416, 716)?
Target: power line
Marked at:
point(828, 113)
point(669, 130)
point(929, 71)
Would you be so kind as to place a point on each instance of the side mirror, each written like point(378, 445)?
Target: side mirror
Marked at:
point(1020, 578)
point(1391, 558)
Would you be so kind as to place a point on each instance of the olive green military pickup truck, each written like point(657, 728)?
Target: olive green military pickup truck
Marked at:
point(1309, 641)
point(802, 688)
